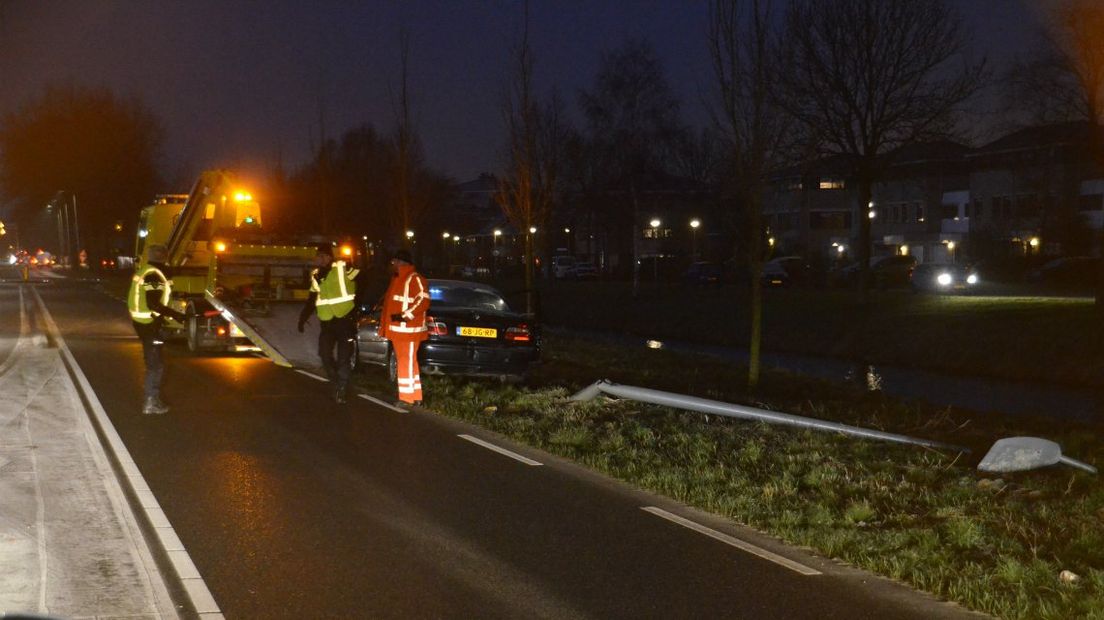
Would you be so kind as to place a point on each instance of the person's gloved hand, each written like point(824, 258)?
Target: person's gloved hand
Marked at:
point(302, 325)
point(396, 318)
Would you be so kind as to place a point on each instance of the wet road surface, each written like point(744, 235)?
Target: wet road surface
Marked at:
point(291, 506)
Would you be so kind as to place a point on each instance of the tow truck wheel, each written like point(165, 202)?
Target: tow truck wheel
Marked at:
point(193, 330)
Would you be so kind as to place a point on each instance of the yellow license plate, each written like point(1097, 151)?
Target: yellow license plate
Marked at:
point(478, 332)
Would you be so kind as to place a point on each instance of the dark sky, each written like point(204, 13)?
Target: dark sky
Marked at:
point(235, 83)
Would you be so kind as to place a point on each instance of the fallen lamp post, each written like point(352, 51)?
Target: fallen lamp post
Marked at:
point(1006, 455)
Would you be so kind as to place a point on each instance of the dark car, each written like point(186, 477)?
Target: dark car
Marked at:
point(943, 278)
point(585, 270)
point(472, 331)
point(1071, 272)
point(787, 271)
point(885, 272)
point(704, 273)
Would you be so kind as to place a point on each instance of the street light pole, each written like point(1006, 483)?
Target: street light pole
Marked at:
point(494, 254)
point(76, 222)
point(694, 224)
point(655, 255)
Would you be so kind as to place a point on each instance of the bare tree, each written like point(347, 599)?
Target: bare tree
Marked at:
point(868, 76)
point(1065, 82)
point(406, 208)
point(633, 120)
point(536, 135)
point(91, 144)
point(743, 44)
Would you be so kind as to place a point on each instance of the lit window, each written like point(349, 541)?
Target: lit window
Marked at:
point(831, 184)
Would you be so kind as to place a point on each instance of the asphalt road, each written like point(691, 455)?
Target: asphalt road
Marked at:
point(291, 506)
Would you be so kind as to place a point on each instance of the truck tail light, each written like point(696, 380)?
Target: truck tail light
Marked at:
point(519, 333)
point(435, 327)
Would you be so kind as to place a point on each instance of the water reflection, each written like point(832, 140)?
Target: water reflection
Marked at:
point(974, 393)
point(866, 376)
point(251, 496)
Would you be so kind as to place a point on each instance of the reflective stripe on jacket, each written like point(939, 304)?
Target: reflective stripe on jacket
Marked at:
point(336, 292)
point(408, 297)
point(140, 311)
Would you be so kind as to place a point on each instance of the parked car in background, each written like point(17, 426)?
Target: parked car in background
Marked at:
point(1071, 272)
point(943, 278)
point(774, 275)
point(585, 270)
point(472, 331)
point(704, 273)
point(885, 272)
point(563, 267)
point(791, 270)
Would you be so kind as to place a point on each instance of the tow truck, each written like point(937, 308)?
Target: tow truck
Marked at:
point(229, 274)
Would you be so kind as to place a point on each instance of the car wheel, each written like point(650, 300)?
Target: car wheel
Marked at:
point(392, 365)
point(354, 359)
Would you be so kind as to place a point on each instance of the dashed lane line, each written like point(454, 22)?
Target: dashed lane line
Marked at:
point(502, 451)
point(381, 403)
point(202, 600)
point(312, 376)
point(733, 541)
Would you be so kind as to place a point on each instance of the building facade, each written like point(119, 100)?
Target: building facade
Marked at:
point(1037, 190)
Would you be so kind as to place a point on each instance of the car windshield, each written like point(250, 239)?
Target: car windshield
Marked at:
point(467, 298)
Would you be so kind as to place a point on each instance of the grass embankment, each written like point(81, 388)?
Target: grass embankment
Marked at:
point(1052, 340)
point(924, 517)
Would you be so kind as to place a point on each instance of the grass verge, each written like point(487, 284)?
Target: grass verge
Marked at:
point(924, 517)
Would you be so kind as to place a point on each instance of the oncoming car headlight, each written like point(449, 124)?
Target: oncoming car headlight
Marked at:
point(972, 279)
point(944, 279)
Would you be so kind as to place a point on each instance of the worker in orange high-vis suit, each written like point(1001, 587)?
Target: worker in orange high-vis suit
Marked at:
point(403, 322)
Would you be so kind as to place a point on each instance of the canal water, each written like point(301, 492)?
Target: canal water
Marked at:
point(980, 394)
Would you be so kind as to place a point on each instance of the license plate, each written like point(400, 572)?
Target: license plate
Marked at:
point(477, 332)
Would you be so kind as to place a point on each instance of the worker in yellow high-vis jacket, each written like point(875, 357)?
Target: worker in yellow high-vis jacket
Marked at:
point(148, 303)
point(333, 298)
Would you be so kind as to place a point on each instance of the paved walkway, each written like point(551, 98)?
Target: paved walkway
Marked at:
point(69, 544)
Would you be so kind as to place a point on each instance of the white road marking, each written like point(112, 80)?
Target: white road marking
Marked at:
point(382, 403)
point(733, 541)
point(312, 376)
point(502, 451)
point(202, 600)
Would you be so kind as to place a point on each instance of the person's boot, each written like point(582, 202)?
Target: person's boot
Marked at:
point(339, 395)
point(154, 406)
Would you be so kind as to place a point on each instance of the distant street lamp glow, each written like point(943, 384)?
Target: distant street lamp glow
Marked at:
point(532, 230)
point(770, 241)
point(497, 233)
point(951, 246)
point(904, 250)
point(1034, 242)
point(410, 234)
point(445, 235)
point(694, 223)
point(567, 231)
point(655, 223)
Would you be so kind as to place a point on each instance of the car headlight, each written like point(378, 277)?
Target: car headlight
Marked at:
point(972, 279)
point(944, 279)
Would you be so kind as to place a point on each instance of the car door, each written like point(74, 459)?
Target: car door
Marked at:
point(373, 348)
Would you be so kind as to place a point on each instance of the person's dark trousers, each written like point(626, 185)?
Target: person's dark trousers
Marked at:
point(152, 344)
point(337, 333)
